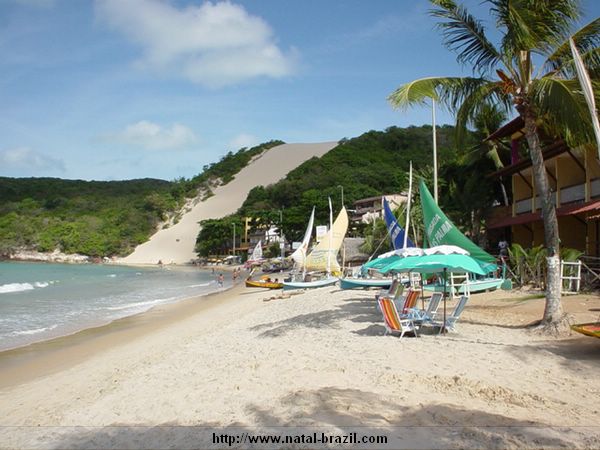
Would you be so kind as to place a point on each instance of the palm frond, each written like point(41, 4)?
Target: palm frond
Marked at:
point(564, 109)
point(587, 40)
point(450, 91)
point(466, 35)
point(533, 25)
point(476, 103)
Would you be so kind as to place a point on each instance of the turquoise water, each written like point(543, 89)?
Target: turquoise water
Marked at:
point(42, 301)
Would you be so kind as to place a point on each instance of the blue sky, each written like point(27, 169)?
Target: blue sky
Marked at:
point(119, 89)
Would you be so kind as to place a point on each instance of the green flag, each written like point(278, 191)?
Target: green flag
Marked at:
point(441, 231)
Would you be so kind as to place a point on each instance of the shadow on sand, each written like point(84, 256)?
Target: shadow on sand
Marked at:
point(338, 411)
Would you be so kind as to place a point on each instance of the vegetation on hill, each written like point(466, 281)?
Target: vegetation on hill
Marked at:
point(370, 165)
point(101, 218)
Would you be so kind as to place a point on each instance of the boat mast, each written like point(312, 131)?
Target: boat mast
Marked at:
point(406, 228)
point(330, 237)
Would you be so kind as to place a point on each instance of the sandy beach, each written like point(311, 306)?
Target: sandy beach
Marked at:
point(249, 359)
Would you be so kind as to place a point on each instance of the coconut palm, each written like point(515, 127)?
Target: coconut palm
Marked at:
point(531, 70)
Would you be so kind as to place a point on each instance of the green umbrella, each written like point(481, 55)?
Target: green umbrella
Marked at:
point(434, 263)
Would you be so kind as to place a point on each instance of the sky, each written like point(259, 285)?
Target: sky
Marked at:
point(122, 89)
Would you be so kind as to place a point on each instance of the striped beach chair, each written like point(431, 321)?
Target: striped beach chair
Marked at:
point(394, 324)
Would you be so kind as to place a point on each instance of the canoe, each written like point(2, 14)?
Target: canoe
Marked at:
point(288, 285)
point(486, 284)
point(364, 283)
point(589, 329)
point(264, 284)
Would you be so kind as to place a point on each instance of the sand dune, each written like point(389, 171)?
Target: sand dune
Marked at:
point(176, 244)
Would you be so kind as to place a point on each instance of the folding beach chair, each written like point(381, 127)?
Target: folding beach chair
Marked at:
point(453, 318)
point(395, 289)
point(393, 322)
point(404, 305)
point(427, 315)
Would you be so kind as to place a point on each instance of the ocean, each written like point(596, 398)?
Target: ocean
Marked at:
point(40, 301)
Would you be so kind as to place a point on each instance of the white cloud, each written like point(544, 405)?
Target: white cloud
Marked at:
point(243, 140)
point(24, 158)
point(152, 136)
point(214, 44)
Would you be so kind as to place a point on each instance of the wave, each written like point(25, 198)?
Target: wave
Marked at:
point(138, 304)
point(15, 287)
point(19, 287)
point(34, 331)
point(202, 284)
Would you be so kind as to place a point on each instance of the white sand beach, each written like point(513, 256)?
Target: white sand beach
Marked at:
point(176, 244)
point(245, 359)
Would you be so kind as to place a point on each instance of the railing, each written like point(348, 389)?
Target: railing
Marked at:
point(572, 194)
point(523, 206)
point(595, 187)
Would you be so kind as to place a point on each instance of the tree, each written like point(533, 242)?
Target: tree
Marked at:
point(506, 75)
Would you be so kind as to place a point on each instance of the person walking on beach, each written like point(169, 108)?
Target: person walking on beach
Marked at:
point(220, 280)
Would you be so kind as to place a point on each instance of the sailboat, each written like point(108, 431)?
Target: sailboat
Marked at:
point(439, 230)
point(300, 254)
point(399, 238)
point(256, 257)
point(323, 257)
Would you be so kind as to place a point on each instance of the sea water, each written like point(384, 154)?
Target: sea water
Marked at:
point(41, 301)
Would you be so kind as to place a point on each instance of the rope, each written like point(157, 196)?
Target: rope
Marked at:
point(380, 242)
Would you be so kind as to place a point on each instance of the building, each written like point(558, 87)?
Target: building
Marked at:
point(367, 210)
point(574, 177)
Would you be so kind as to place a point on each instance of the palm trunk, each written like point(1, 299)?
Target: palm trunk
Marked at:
point(553, 312)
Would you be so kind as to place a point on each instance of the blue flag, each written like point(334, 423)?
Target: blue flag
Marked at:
point(396, 231)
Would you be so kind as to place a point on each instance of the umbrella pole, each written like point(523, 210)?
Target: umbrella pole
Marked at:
point(443, 330)
point(422, 293)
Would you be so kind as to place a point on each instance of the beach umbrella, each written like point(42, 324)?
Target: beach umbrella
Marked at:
point(436, 263)
point(392, 256)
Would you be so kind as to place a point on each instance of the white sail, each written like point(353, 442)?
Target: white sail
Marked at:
point(588, 92)
point(257, 253)
point(328, 248)
point(299, 256)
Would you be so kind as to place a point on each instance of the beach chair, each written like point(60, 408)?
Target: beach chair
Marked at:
point(405, 304)
point(393, 322)
point(394, 290)
point(427, 315)
point(453, 318)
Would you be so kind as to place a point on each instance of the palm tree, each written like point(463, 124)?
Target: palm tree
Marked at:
point(507, 75)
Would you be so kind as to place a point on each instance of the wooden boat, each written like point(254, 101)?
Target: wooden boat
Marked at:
point(323, 257)
point(365, 283)
point(265, 284)
point(589, 329)
point(327, 281)
point(477, 285)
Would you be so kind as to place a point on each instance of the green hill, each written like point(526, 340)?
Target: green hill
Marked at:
point(369, 165)
point(101, 218)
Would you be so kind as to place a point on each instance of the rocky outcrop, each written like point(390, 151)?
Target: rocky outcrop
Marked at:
point(56, 256)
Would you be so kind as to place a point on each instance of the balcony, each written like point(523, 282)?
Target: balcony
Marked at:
point(571, 194)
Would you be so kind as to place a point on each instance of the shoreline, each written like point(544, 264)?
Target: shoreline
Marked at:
point(100, 322)
point(38, 359)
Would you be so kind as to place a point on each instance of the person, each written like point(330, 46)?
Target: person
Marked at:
point(503, 247)
point(220, 280)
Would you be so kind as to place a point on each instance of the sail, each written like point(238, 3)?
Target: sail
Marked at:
point(588, 92)
point(329, 246)
point(299, 256)
point(395, 231)
point(257, 253)
point(440, 230)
